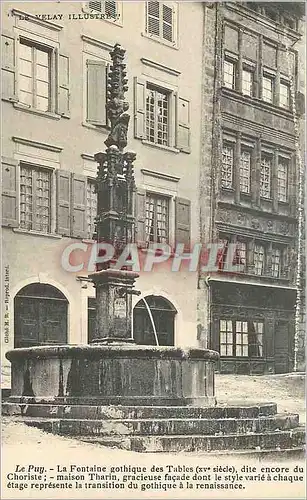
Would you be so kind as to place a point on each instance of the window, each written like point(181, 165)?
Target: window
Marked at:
point(265, 177)
point(157, 219)
point(157, 115)
point(91, 205)
point(247, 82)
point(34, 76)
point(241, 338)
point(241, 253)
point(284, 95)
point(245, 171)
point(226, 338)
point(227, 166)
point(276, 256)
point(282, 180)
point(35, 199)
point(160, 21)
point(258, 259)
point(109, 9)
point(267, 89)
point(229, 74)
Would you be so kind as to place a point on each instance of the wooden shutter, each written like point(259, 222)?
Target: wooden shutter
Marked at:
point(183, 125)
point(63, 202)
point(96, 92)
point(10, 202)
point(63, 86)
point(140, 217)
point(183, 222)
point(139, 108)
point(8, 68)
point(79, 221)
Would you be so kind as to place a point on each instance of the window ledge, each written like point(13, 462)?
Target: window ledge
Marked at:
point(99, 128)
point(37, 233)
point(227, 189)
point(257, 102)
point(46, 114)
point(171, 45)
point(263, 198)
point(160, 146)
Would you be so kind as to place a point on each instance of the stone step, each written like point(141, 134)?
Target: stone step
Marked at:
point(278, 441)
point(170, 426)
point(97, 412)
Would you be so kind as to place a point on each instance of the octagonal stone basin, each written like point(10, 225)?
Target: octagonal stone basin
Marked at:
point(122, 374)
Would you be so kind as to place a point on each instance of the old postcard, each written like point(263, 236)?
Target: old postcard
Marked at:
point(153, 249)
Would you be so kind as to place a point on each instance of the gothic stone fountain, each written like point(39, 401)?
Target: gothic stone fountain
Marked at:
point(114, 391)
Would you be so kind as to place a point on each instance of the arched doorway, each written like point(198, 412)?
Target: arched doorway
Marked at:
point(40, 316)
point(163, 314)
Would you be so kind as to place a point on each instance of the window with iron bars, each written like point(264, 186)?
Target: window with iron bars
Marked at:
point(157, 219)
point(157, 115)
point(35, 199)
point(160, 21)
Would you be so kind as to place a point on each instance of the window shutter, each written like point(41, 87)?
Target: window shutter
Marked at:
point(8, 68)
point(63, 86)
point(63, 202)
point(96, 92)
point(79, 221)
point(140, 216)
point(139, 108)
point(183, 125)
point(10, 202)
point(183, 222)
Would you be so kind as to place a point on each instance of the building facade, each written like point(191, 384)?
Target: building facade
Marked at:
point(216, 120)
point(56, 58)
point(252, 185)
